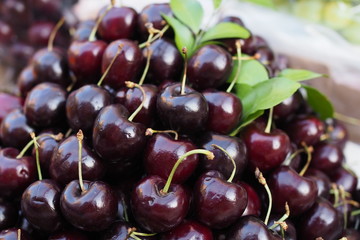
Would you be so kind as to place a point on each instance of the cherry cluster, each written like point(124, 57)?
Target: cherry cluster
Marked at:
point(122, 136)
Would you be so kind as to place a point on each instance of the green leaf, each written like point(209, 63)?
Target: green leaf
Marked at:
point(189, 12)
point(183, 35)
point(225, 30)
point(264, 3)
point(299, 74)
point(242, 90)
point(247, 121)
point(319, 102)
point(217, 3)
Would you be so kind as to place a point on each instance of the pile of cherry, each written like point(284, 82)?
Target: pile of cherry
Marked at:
point(121, 136)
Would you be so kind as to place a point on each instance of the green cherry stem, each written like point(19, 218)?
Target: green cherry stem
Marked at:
point(283, 218)
point(150, 132)
point(53, 33)
point(345, 207)
point(347, 119)
point(157, 36)
point(269, 122)
point(132, 85)
point(231, 178)
point(120, 47)
point(92, 36)
point(184, 51)
point(36, 146)
point(238, 70)
point(147, 66)
point(262, 181)
point(335, 191)
point(308, 150)
point(208, 154)
point(144, 234)
point(80, 137)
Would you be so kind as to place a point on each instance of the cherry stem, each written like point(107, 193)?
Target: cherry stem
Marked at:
point(269, 122)
point(345, 208)
point(262, 181)
point(347, 119)
point(238, 70)
point(143, 76)
point(150, 132)
point(283, 218)
point(126, 216)
point(132, 85)
point(143, 234)
point(120, 47)
point(19, 234)
point(57, 137)
point(184, 51)
point(208, 154)
point(80, 137)
point(255, 57)
point(355, 212)
point(92, 36)
point(232, 161)
point(54, 32)
point(292, 156)
point(308, 150)
point(157, 36)
point(335, 192)
point(36, 146)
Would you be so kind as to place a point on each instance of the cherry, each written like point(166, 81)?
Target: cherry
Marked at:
point(286, 185)
point(45, 105)
point(266, 55)
point(119, 230)
point(327, 157)
point(7, 104)
point(225, 111)
point(287, 108)
point(15, 130)
point(127, 64)
point(16, 12)
point(20, 54)
point(321, 220)
point(190, 105)
point(6, 33)
point(344, 177)
point(351, 234)
point(231, 43)
point(27, 80)
point(13, 234)
point(40, 204)
point(252, 43)
point(189, 230)
point(68, 235)
point(253, 206)
point(294, 159)
point(15, 173)
point(322, 181)
point(8, 214)
point(83, 30)
point(162, 150)
point(39, 33)
point(93, 209)
point(209, 67)
point(289, 233)
point(118, 22)
point(47, 9)
point(337, 132)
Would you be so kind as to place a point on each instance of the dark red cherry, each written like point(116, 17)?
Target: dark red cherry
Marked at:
point(6, 33)
point(345, 178)
point(7, 104)
point(322, 220)
point(166, 61)
point(253, 206)
point(15, 174)
point(8, 214)
point(119, 231)
point(21, 53)
point(118, 22)
point(294, 159)
point(84, 59)
point(209, 67)
point(266, 55)
point(115, 138)
point(252, 43)
point(40, 204)
point(322, 181)
point(83, 30)
point(155, 210)
point(126, 65)
point(69, 235)
point(27, 79)
point(92, 210)
point(39, 32)
point(191, 106)
point(15, 130)
point(188, 230)
point(305, 129)
point(235, 147)
point(218, 203)
point(152, 14)
point(327, 157)
point(64, 162)
point(13, 234)
point(266, 151)
point(45, 105)
point(84, 104)
point(231, 43)
point(47, 9)
point(338, 134)
point(161, 154)
point(286, 185)
point(288, 107)
point(351, 234)
point(225, 111)
point(16, 12)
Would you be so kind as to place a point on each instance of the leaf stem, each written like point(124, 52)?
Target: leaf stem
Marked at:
point(238, 70)
point(184, 51)
point(80, 137)
point(120, 47)
point(138, 109)
point(262, 181)
point(232, 161)
point(53, 33)
point(150, 132)
point(36, 146)
point(269, 122)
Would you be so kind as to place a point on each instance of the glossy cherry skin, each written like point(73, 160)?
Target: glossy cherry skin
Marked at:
point(92, 210)
point(162, 150)
point(266, 55)
point(156, 211)
point(8, 214)
point(118, 22)
point(250, 228)
point(288, 107)
point(12, 234)
point(225, 111)
point(85, 59)
point(115, 138)
point(65, 159)
point(252, 43)
point(166, 61)
point(7, 104)
point(345, 178)
point(189, 230)
point(305, 129)
point(218, 203)
point(40, 204)
point(152, 14)
point(45, 105)
point(322, 220)
point(68, 235)
point(131, 98)
point(265, 150)
point(327, 157)
point(39, 33)
point(286, 185)
point(126, 65)
point(15, 174)
point(209, 67)
point(253, 206)
point(235, 147)
point(322, 181)
point(84, 104)
point(191, 106)
point(27, 80)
